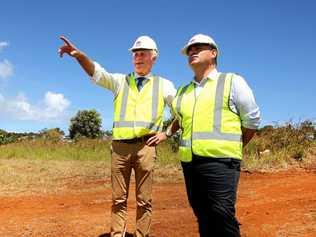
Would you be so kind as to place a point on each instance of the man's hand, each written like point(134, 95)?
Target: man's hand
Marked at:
point(68, 48)
point(158, 138)
point(72, 51)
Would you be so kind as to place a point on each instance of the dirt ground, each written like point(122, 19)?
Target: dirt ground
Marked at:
point(279, 204)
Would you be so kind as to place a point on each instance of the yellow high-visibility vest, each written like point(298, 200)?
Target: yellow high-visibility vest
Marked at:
point(138, 113)
point(209, 127)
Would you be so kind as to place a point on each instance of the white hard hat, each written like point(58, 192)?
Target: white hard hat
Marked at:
point(144, 42)
point(199, 39)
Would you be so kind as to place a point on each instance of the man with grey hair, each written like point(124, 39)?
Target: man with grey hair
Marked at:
point(139, 101)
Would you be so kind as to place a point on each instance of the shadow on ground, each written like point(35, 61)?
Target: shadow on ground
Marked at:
point(108, 235)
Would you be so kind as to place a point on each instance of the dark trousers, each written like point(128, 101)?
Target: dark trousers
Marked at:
point(211, 185)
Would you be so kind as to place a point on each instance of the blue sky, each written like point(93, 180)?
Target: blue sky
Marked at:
point(270, 43)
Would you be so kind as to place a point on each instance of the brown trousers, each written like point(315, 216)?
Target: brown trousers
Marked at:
point(125, 157)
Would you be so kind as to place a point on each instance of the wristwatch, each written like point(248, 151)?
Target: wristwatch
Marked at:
point(168, 132)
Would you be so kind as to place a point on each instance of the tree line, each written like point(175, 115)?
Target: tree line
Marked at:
point(86, 123)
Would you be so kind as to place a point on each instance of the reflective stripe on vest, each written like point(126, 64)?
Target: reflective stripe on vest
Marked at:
point(131, 124)
point(215, 133)
point(132, 127)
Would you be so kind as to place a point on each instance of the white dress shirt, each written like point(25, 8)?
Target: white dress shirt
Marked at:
point(241, 99)
point(114, 81)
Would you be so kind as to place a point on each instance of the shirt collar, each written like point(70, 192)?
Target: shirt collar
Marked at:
point(212, 76)
point(148, 76)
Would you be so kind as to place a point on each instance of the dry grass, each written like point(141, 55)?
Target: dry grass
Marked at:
point(290, 145)
point(21, 176)
point(43, 166)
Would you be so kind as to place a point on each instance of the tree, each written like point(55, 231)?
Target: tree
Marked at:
point(52, 134)
point(6, 137)
point(86, 123)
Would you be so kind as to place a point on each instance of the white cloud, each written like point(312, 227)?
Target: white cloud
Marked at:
point(6, 69)
point(55, 104)
point(53, 107)
point(3, 44)
point(1, 99)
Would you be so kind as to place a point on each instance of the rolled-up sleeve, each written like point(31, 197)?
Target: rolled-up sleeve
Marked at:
point(245, 104)
point(111, 81)
point(169, 92)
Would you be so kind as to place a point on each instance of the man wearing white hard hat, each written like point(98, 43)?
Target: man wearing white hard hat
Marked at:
point(139, 101)
point(218, 116)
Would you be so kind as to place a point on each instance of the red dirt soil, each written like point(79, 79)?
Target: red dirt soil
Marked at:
point(281, 204)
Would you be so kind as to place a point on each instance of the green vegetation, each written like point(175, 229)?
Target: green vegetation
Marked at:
point(273, 147)
point(53, 149)
point(86, 123)
point(279, 147)
point(10, 137)
point(81, 149)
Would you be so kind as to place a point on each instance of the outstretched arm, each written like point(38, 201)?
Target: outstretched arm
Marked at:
point(70, 49)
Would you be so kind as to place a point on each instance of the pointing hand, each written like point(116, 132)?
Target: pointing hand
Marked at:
point(68, 48)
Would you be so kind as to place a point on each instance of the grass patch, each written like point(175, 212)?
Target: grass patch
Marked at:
point(281, 147)
point(42, 149)
point(21, 176)
point(83, 149)
point(50, 165)
point(46, 166)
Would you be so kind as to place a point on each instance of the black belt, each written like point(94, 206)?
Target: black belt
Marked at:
point(136, 139)
point(213, 159)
